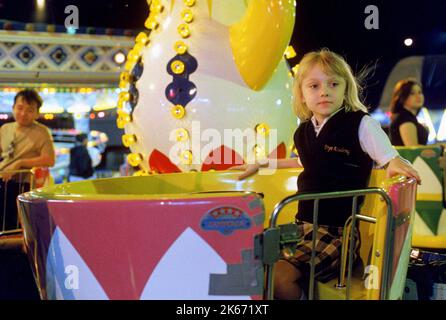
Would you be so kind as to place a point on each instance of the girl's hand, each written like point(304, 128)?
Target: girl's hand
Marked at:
point(249, 170)
point(398, 166)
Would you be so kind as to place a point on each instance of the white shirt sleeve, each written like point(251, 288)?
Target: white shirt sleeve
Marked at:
point(374, 141)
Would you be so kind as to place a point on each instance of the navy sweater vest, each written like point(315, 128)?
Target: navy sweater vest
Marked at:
point(332, 161)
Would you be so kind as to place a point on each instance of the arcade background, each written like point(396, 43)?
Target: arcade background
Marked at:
point(90, 106)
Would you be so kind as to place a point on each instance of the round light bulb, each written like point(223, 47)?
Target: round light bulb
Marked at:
point(141, 173)
point(186, 157)
point(180, 47)
point(177, 67)
point(156, 7)
point(151, 23)
point(290, 52)
point(184, 30)
point(408, 42)
point(181, 135)
point(125, 76)
point(259, 151)
point(262, 129)
point(178, 111)
point(189, 3)
point(187, 15)
point(134, 159)
point(133, 56)
point(142, 38)
point(119, 58)
point(122, 120)
point(125, 96)
point(128, 140)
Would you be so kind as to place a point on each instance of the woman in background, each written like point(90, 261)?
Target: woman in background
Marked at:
point(406, 103)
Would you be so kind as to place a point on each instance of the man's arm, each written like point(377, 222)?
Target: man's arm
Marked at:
point(47, 157)
point(44, 160)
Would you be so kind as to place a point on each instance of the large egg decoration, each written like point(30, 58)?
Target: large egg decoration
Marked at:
point(207, 86)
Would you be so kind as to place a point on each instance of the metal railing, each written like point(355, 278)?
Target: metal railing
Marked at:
point(16, 182)
point(347, 233)
point(387, 262)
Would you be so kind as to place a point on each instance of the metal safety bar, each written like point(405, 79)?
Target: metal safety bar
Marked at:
point(347, 232)
point(13, 181)
point(331, 195)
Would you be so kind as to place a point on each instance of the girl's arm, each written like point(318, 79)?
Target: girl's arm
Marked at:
point(250, 169)
point(376, 144)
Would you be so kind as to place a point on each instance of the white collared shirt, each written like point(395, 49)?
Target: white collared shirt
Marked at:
point(372, 138)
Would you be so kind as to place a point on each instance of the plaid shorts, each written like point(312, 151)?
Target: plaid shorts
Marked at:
point(328, 251)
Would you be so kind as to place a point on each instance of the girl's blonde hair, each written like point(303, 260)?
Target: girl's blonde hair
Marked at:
point(331, 63)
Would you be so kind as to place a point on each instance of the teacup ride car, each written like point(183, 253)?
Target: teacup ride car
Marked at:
point(202, 235)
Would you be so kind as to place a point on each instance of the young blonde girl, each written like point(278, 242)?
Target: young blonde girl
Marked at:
point(337, 143)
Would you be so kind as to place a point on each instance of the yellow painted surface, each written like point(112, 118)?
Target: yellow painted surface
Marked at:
point(260, 38)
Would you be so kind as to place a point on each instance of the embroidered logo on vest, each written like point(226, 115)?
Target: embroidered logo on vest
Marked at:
point(336, 149)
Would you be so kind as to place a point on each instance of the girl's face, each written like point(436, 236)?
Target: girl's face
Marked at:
point(322, 93)
point(415, 100)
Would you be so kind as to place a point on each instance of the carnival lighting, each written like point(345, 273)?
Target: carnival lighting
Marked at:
point(408, 42)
